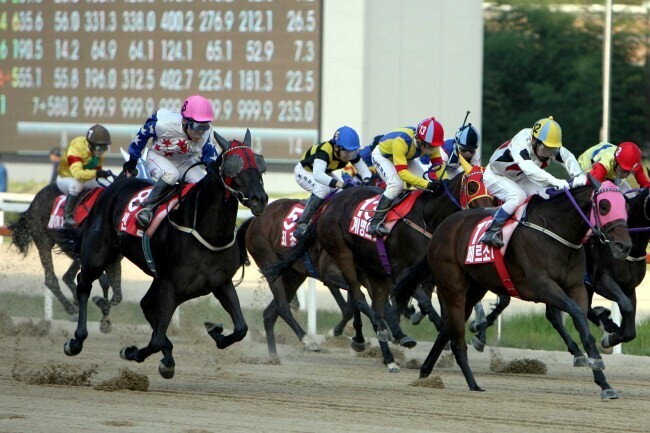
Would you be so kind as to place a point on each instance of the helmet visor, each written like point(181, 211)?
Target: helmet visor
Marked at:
point(544, 151)
point(199, 127)
point(348, 155)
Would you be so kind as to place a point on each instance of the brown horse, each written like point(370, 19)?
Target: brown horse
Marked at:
point(545, 261)
point(358, 258)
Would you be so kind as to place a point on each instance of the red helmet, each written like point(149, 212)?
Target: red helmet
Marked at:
point(628, 156)
point(430, 131)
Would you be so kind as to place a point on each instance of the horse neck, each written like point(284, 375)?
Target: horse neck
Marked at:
point(637, 219)
point(213, 208)
point(436, 208)
point(561, 216)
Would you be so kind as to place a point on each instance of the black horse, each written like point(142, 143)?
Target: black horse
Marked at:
point(32, 225)
point(544, 259)
point(193, 251)
point(613, 279)
point(359, 259)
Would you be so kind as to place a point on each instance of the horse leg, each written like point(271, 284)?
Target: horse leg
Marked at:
point(358, 343)
point(158, 306)
point(423, 299)
point(270, 316)
point(347, 309)
point(554, 316)
point(51, 281)
point(610, 289)
point(392, 319)
point(84, 285)
point(227, 295)
point(69, 279)
point(481, 330)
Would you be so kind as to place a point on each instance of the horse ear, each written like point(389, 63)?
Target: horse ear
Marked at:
point(595, 183)
point(247, 138)
point(466, 165)
point(222, 141)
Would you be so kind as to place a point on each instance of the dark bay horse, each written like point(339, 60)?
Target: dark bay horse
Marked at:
point(613, 279)
point(32, 226)
point(193, 250)
point(358, 258)
point(544, 259)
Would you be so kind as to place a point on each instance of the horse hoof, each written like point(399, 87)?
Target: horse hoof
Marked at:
point(116, 299)
point(478, 344)
point(127, 353)
point(408, 342)
point(609, 394)
point(72, 347)
point(105, 326)
point(472, 327)
point(393, 368)
point(416, 318)
point(165, 372)
point(604, 345)
point(383, 336)
point(596, 364)
point(580, 361)
point(311, 345)
point(358, 347)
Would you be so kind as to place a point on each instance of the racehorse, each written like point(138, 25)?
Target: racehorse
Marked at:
point(359, 259)
point(268, 239)
point(32, 225)
point(544, 259)
point(615, 280)
point(191, 253)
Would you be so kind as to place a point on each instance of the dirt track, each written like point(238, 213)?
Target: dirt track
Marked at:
point(239, 390)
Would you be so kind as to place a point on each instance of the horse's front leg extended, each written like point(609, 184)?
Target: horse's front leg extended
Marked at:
point(611, 290)
point(227, 295)
point(554, 316)
point(84, 285)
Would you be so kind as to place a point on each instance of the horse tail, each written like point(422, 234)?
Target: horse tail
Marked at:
point(408, 284)
point(241, 242)
point(272, 272)
point(21, 236)
point(68, 241)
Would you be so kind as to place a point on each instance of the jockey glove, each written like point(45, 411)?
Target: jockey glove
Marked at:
point(102, 174)
point(579, 180)
point(366, 181)
point(130, 165)
point(435, 186)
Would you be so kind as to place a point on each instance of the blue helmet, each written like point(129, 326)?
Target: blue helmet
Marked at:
point(467, 137)
point(347, 138)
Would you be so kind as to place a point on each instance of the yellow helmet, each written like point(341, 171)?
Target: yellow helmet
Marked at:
point(548, 131)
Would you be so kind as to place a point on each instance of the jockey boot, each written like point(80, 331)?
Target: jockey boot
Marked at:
point(311, 207)
point(492, 235)
point(70, 205)
point(144, 217)
point(376, 226)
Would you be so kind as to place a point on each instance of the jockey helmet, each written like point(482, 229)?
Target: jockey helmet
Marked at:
point(198, 109)
point(431, 132)
point(98, 135)
point(467, 137)
point(548, 131)
point(347, 138)
point(628, 156)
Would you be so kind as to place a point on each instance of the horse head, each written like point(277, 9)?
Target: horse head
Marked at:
point(609, 217)
point(241, 170)
point(473, 192)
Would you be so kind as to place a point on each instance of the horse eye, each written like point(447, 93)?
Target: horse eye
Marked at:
point(604, 207)
point(472, 188)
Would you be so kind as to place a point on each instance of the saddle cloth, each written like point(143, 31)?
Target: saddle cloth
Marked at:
point(366, 209)
point(57, 214)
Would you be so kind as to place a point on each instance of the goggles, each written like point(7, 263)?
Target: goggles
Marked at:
point(348, 155)
point(98, 149)
point(462, 149)
point(199, 127)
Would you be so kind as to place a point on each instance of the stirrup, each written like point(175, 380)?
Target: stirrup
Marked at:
point(143, 218)
point(69, 222)
point(492, 239)
point(378, 230)
point(300, 230)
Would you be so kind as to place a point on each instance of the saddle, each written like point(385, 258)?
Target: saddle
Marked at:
point(81, 211)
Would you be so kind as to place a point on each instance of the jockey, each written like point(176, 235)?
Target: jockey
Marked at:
point(395, 159)
point(81, 166)
point(314, 171)
point(515, 171)
point(464, 143)
point(350, 174)
point(179, 141)
point(615, 163)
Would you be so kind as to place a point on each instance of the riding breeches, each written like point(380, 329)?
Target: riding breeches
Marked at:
point(512, 193)
point(387, 171)
point(70, 185)
point(171, 170)
point(305, 179)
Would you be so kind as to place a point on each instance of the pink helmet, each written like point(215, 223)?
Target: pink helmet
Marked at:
point(197, 108)
point(430, 131)
point(628, 156)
